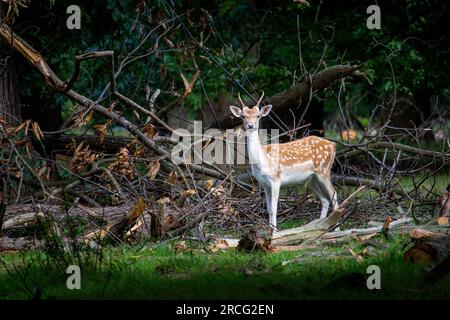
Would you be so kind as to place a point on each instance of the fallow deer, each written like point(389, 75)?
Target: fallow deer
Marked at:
point(275, 165)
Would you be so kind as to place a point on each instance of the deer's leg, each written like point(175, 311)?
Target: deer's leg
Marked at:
point(329, 190)
point(268, 193)
point(320, 190)
point(274, 207)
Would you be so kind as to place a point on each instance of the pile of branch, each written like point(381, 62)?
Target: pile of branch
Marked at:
point(19, 229)
point(319, 229)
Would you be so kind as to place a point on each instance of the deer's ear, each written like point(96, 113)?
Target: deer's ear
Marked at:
point(236, 111)
point(265, 110)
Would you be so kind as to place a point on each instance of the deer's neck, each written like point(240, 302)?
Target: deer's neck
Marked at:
point(255, 151)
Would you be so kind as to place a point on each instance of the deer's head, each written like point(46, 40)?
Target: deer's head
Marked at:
point(251, 116)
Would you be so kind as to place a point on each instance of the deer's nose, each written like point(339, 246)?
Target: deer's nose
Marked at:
point(250, 126)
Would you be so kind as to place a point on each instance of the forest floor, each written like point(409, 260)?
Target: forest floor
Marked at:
point(318, 271)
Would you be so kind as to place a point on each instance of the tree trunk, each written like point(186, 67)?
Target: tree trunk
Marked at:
point(9, 89)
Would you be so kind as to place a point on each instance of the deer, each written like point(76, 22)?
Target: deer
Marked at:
point(306, 160)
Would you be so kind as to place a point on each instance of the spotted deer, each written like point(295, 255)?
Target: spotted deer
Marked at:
point(285, 164)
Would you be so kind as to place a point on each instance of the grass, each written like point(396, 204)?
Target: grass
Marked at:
point(325, 272)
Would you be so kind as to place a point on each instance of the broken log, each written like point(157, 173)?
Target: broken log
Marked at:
point(22, 219)
point(351, 233)
point(16, 244)
point(123, 223)
point(418, 234)
point(428, 250)
point(157, 219)
point(314, 229)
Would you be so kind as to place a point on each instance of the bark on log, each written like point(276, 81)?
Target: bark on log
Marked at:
point(55, 211)
point(340, 235)
point(423, 235)
point(127, 220)
point(157, 223)
point(22, 219)
point(292, 97)
point(429, 251)
point(16, 244)
point(286, 239)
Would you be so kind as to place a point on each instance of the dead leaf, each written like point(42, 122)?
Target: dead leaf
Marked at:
point(187, 88)
point(153, 169)
point(37, 131)
point(181, 246)
point(442, 221)
point(137, 210)
point(101, 131)
point(208, 184)
point(81, 120)
point(149, 130)
point(188, 193)
point(82, 157)
point(122, 165)
point(44, 172)
point(188, 85)
point(172, 178)
point(217, 245)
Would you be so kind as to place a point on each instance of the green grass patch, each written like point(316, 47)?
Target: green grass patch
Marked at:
point(322, 272)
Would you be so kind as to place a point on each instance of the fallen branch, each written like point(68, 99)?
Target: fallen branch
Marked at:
point(293, 96)
point(53, 82)
point(314, 229)
point(22, 219)
point(332, 236)
point(429, 251)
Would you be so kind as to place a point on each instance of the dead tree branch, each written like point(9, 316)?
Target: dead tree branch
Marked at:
point(292, 97)
point(53, 82)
